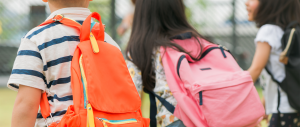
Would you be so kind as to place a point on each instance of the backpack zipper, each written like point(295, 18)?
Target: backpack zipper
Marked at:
point(104, 121)
point(84, 82)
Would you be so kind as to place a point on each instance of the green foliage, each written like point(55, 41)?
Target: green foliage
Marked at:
point(103, 7)
point(10, 24)
point(1, 10)
point(201, 4)
point(1, 28)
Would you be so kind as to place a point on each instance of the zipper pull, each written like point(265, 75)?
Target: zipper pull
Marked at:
point(200, 98)
point(90, 115)
point(222, 50)
point(94, 43)
point(103, 122)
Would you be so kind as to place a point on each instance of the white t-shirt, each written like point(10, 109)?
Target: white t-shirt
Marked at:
point(272, 35)
point(44, 61)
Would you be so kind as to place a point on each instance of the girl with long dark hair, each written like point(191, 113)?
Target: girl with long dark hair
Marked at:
point(272, 17)
point(156, 23)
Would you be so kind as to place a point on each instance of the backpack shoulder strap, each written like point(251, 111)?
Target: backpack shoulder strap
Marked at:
point(284, 54)
point(66, 21)
point(292, 24)
point(278, 91)
point(44, 103)
point(222, 48)
point(153, 108)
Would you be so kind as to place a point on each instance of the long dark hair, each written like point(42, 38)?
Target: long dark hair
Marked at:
point(279, 12)
point(155, 22)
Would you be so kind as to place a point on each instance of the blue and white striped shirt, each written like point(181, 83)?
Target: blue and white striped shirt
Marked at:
point(44, 61)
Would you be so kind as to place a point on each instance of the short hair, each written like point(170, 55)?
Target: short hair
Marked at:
point(278, 12)
point(133, 1)
point(70, 3)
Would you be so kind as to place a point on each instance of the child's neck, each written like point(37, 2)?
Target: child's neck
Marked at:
point(54, 7)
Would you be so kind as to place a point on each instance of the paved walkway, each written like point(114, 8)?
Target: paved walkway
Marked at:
point(3, 81)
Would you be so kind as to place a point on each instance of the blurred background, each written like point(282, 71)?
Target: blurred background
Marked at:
point(222, 21)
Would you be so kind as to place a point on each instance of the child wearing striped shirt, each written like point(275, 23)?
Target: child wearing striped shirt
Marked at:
point(43, 64)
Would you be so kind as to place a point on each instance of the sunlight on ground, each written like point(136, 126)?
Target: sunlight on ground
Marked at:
point(7, 98)
point(146, 105)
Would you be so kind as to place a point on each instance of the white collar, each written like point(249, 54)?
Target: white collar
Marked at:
point(75, 13)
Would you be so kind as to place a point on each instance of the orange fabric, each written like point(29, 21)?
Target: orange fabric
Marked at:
point(44, 104)
point(111, 91)
point(85, 32)
point(65, 21)
point(108, 70)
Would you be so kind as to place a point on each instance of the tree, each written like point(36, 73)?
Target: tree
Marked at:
point(1, 10)
point(1, 28)
point(13, 24)
point(192, 15)
point(103, 8)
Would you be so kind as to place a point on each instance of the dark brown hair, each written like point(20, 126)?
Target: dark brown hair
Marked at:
point(133, 1)
point(279, 12)
point(155, 22)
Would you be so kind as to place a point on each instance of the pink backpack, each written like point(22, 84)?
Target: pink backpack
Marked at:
point(212, 92)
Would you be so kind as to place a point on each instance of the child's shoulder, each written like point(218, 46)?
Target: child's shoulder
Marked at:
point(111, 41)
point(36, 31)
point(270, 28)
point(270, 31)
point(51, 32)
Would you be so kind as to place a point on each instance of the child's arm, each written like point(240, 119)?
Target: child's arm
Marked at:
point(260, 59)
point(26, 107)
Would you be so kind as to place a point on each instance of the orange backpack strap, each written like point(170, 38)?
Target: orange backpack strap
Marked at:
point(85, 31)
point(44, 104)
point(66, 21)
point(45, 108)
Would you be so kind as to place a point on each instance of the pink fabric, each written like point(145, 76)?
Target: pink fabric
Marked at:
point(229, 96)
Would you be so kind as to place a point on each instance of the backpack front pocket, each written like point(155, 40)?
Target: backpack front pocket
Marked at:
point(234, 103)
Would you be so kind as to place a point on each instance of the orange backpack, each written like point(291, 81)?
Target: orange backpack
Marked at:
point(104, 94)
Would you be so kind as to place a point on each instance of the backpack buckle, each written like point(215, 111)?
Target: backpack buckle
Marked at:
point(56, 18)
point(46, 122)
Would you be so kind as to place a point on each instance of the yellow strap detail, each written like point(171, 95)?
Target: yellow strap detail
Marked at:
point(94, 43)
point(83, 76)
point(90, 116)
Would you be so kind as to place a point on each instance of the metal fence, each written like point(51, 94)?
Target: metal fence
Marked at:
point(223, 21)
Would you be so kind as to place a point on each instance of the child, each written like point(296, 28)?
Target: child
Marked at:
point(124, 30)
point(272, 17)
point(43, 64)
point(165, 20)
